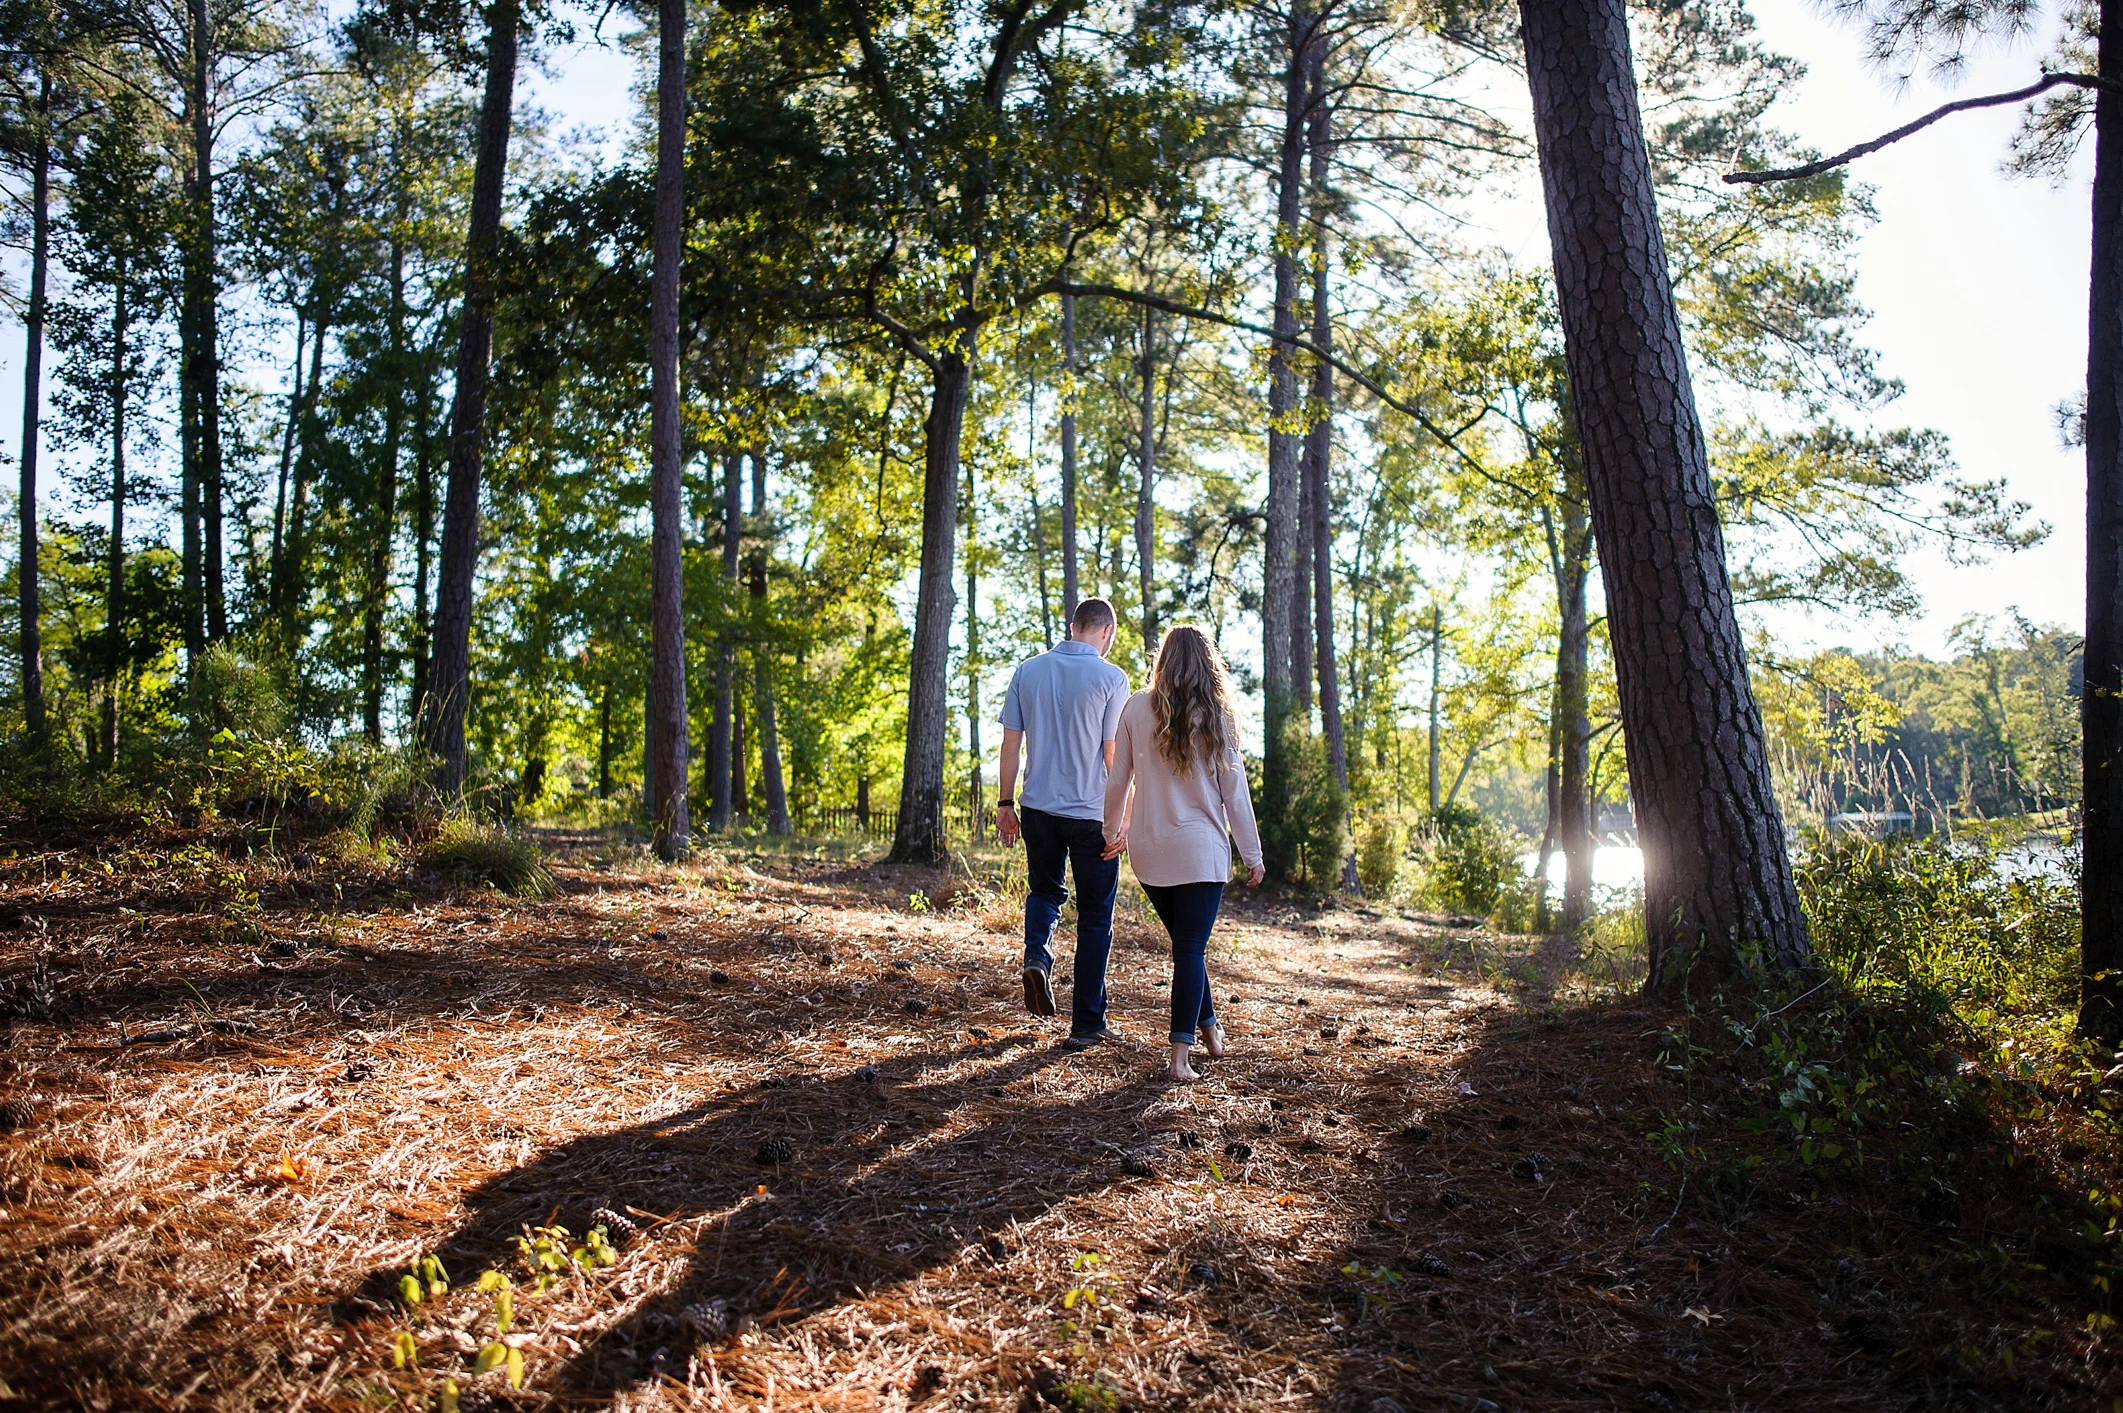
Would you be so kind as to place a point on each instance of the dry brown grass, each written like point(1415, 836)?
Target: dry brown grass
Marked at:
point(843, 1170)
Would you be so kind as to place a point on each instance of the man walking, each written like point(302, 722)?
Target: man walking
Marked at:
point(1068, 701)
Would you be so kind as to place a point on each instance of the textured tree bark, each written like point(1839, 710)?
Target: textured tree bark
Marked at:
point(2101, 704)
point(449, 675)
point(1574, 742)
point(114, 585)
point(1068, 459)
point(423, 537)
point(27, 573)
point(1718, 892)
point(1279, 533)
point(670, 830)
point(287, 450)
point(771, 781)
point(1319, 450)
point(1146, 491)
point(287, 587)
point(1543, 914)
point(722, 729)
point(378, 589)
point(202, 288)
point(1039, 517)
point(920, 835)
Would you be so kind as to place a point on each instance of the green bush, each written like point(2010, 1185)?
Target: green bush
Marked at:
point(1303, 811)
point(1959, 925)
point(480, 851)
point(1469, 860)
point(1380, 850)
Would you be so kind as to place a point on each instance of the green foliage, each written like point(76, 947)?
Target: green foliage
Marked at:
point(1303, 812)
point(1983, 930)
point(1468, 860)
point(483, 851)
point(1380, 849)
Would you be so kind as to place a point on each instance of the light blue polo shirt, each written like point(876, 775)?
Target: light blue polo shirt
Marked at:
point(1067, 701)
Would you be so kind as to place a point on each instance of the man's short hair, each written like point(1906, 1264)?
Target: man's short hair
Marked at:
point(1092, 615)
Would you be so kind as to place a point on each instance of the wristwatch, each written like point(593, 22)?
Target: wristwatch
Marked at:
point(1006, 804)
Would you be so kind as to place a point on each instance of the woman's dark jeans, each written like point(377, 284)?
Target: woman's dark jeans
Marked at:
point(1188, 911)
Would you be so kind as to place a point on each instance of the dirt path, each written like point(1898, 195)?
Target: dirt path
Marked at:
point(839, 1167)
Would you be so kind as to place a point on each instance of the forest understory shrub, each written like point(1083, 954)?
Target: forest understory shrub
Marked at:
point(1466, 862)
point(484, 851)
point(1303, 811)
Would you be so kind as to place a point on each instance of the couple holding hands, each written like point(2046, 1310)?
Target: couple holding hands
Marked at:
point(1155, 775)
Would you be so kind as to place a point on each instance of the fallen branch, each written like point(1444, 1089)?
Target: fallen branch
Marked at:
point(1989, 100)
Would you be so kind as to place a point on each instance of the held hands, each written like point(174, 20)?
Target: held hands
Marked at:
point(1006, 825)
point(1116, 846)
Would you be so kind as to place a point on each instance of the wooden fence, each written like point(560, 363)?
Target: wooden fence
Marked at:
point(876, 823)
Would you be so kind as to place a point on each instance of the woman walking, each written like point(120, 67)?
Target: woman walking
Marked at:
point(1177, 744)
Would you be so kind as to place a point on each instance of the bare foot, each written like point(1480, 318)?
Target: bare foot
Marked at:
point(1213, 1039)
point(1179, 1069)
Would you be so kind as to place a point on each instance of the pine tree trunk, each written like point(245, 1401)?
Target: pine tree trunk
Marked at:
point(1543, 914)
point(386, 530)
point(770, 772)
point(1573, 793)
point(1718, 891)
point(449, 675)
point(294, 563)
point(1039, 517)
point(423, 537)
point(27, 573)
point(287, 450)
point(671, 830)
point(114, 585)
point(1319, 452)
point(920, 835)
point(203, 289)
point(1146, 493)
point(2101, 704)
point(722, 730)
point(1279, 532)
point(1068, 460)
point(1437, 654)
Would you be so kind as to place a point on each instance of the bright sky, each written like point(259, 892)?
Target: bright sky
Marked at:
point(1977, 280)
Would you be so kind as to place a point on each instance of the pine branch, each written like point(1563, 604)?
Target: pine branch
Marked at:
point(1990, 100)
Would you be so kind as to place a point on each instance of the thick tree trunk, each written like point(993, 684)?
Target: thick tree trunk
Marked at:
point(449, 676)
point(1068, 459)
point(1280, 531)
point(722, 730)
point(203, 289)
point(671, 831)
point(2101, 704)
point(27, 573)
point(1146, 493)
point(1718, 893)
point(379, 580)
point(920, 836)
point(114, 583)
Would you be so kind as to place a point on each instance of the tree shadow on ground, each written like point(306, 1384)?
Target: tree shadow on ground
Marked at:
point(802, 1191)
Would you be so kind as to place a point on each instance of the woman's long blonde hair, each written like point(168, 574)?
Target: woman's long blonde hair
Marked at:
point(1190, 699)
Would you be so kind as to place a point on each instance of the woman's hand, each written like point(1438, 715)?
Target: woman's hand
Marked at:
point(1254, 877)
point(1116, 846)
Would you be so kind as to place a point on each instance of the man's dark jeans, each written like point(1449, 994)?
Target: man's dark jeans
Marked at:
point(1053, 841)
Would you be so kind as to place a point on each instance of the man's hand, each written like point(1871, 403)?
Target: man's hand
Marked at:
point(1116, 846)
point(1006, 825)
point(1254, 877)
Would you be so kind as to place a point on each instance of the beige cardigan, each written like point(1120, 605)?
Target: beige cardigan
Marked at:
point(1179, 830)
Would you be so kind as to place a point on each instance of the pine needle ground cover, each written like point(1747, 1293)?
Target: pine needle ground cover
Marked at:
point(760, 1134)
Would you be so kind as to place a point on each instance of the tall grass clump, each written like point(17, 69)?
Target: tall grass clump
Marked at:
point(1980, 927)
point(482, 851)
